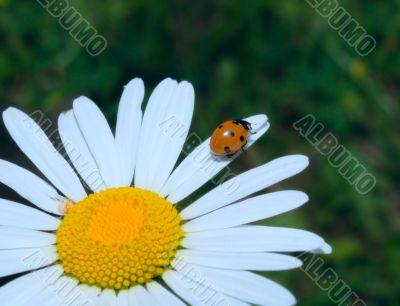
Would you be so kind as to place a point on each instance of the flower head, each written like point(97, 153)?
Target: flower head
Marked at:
point(107, 226)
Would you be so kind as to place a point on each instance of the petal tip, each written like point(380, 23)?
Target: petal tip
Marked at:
point(326, 249)
point(302, 160)
point(82, 99)
point(303, 197)
point(11, 111)
point(136, 82)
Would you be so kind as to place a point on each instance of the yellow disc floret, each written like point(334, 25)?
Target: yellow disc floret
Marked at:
point(119, 238)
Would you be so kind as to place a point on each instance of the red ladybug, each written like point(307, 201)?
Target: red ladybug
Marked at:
point(230, 137)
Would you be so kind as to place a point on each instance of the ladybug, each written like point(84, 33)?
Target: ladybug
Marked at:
point(230, 137)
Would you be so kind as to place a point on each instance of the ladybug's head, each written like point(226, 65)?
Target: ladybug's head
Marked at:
point(244, 123)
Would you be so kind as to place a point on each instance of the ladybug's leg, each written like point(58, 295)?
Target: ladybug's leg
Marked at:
point(243, 147)
point(230, 155)
point(251, 130)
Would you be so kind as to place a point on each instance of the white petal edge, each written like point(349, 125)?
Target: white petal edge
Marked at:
point(107, 298)
point(21, 260)
point(88, 295)
point(243, 285)
point(78, 151)
point(67, 291)
point(60, 292)
point(151, 133)
point(100, 139)
point(162, 295)
point(247, 211)
point(183, 287)
point(324, 249)
point(18, 215)
point(127, 131)
point(230, 301)
point(18, 238)
point(31, 139)
point(123, 298)
point(48, 298)
point(239, 261)
point(22, 289)
point(246, 184)
point(139, 296)
point(198, 291)
point(30, 187)
point(201, 165)
point(171, 130)
point(253, 238)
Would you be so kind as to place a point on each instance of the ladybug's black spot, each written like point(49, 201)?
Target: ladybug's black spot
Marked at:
point(235, 122)
point(221, 126)
point(231, 133)
point(227, 149)
point(241, 138)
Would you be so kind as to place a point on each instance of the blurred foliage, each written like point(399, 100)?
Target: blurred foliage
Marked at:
point(243, 57)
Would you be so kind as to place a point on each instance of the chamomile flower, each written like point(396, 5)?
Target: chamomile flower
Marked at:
point(107, 229)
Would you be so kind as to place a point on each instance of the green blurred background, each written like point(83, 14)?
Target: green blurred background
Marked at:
point(243, 57)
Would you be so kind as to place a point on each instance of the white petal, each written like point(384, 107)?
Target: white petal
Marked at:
point(107, 298)
point(246, 184)
point(18, 288)
point(100, 140)
point(66, 291)
point(243, 285)
point(18, 238)
point(165, 127)
point(230, 301)
point(198, 291)
point(21, 260)
point(61, 292)
point(238, 261)
point(140, 296)
point(88, 295)
point(147, 140)
point(252, 238)
point(50, 299)
point(24, 288)
point(123, 298)
point(22, 216)
point(183, 287)
point(38, 148)
point(201, 165)
point(251, 210)
point(171, 130)
point(128, 128)
point(40, 298)
point(162, 295)
point(78, 151)
point(323, 249)
point(30, 187)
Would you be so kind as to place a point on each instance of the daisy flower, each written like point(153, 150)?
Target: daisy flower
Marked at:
point(107, 230)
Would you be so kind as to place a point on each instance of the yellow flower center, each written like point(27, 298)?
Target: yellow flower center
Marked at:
point(119, 238)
